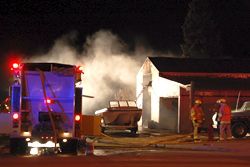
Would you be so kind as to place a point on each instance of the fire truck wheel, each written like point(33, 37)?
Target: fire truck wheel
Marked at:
point(18, 146)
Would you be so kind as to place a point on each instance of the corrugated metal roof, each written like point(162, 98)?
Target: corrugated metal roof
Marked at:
point(173, 64)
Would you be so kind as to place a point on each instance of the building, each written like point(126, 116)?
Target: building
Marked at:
point(167, 87)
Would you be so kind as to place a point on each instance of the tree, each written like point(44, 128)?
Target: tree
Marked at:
point(217, 28)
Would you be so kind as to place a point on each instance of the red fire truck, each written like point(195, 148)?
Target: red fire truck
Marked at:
point(46, 104)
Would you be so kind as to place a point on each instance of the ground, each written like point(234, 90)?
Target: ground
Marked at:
point(116, 142)
point(149, 148)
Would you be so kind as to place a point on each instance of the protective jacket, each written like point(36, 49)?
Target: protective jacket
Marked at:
point(197, 113)
point(225, 113)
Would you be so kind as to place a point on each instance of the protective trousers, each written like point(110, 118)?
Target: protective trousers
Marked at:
point(225, 131)
point(196, 126)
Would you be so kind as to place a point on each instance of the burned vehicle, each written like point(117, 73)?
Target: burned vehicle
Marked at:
point(120, 115)
point(240, 122)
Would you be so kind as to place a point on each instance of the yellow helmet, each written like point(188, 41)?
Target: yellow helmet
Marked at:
point(221, 101)
point(198, 101)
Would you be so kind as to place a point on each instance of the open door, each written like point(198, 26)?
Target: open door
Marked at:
point(169, 114)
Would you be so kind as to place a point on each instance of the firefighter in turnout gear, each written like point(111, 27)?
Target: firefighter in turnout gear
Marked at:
point(225, 120)
point(197, 117)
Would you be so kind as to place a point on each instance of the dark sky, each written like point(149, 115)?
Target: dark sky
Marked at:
point(28, 26)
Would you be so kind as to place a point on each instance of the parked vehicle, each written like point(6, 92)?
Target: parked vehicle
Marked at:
point(45, 108)
point(120, 115)
point(241, 120)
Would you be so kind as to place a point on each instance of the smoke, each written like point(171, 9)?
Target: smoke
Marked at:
point(109, 69)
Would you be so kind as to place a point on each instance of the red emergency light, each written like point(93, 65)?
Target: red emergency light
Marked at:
point(15, 116)
point(15, 66)
point(48, 101)
point(77, 117)
point(79, 69)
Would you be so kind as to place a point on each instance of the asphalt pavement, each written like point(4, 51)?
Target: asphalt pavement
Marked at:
point(118, 142)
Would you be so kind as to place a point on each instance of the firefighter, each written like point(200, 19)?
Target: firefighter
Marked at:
point(224, 117)
point(197, 117)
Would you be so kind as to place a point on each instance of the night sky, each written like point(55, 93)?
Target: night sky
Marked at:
point(29, 27)
point(32, 27)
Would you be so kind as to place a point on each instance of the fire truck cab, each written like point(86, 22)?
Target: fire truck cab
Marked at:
point(46, 108)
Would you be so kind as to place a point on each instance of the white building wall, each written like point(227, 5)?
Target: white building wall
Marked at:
point(166, 88)
point(150, 87)
point(155, 101)
point(144, 78)
point(162, 87)
point(141, 83)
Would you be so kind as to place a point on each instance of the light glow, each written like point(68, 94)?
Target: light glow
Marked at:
point(66, 134)
point(79, 69)
point(34, 151)
point(15, 65)
point(15, 116)
point(77, 118)
point(37, 144)
point(48, 101)
point(26, 134)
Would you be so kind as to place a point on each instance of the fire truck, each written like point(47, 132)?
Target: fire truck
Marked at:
point(46, 108)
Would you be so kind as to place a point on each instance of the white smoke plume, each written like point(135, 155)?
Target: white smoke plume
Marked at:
point(109, 70)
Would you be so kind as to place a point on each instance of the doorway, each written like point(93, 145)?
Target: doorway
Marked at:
point(168, 116)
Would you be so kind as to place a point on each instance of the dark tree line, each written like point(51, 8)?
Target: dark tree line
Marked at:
point(217, 28)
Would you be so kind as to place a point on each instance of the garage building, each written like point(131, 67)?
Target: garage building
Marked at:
point(167, 87)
